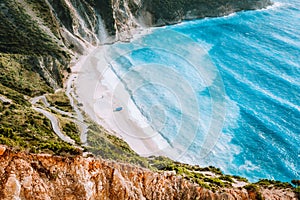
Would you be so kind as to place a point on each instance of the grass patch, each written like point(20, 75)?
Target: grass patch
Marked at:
point(28, 54)
point(107, 146)
point(193, 173)
point(215, 181)
point(43, 11)
point(16, 72)
point(273, 183)
point(239, 178)
point(212, 169)
point(227, 178)
point(25, 129)
point(71, 130)
point(14, 95)
point(20, 34)
point(60, 101)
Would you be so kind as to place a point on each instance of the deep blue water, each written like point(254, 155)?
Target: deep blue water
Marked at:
point(223, 91)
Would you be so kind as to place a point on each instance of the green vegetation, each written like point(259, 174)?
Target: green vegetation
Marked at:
point(60, 101)
point(170, 11)
point(296, 183)
point(238, 178)
point(20, 34)
point(101, 143)
point(253, 190)
point(71, 130)
point(214, 180)
point(16, 73)
point(273, 183)
point(43, 11)
point(212, 169)
point(28, 55)
point(24, 129)
point(107, 146)
point(15, 96)
point(227, 178)
point(297, 190)
point(27, 52)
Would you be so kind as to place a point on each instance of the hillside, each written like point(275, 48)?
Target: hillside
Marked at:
point(39, 42)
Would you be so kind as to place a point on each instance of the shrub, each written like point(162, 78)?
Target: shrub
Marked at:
point(279, 184)
point(226, 178)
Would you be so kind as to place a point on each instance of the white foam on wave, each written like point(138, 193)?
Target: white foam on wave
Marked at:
point(206, 46)
point(286, 39)
point(267, 93)
point(232, 114)
point(201, 60)
point(230, 15)
point(274, 6)
point(222, 150)
point(248, 166)
point(273, 70)
point(95, 88)
point(136, 115)
point(222, 153)
point(269, 122)
point(111, 81)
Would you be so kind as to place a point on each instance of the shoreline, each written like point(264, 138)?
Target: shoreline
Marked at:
point(94, 87)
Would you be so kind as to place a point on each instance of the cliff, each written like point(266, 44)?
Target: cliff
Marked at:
point(158, 13)
point(71, 25)
point(38, 40)
point(46, 34)
point(30, 176)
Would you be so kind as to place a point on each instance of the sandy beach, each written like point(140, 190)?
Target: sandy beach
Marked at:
point(101, 92)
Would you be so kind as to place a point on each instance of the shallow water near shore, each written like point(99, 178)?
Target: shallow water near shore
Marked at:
point(220, 91)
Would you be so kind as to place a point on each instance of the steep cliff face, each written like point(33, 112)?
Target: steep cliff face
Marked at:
point(129, 15)
point(38, 38)
point(53, 31)
point(28, 176)
point(157, 13)
point(36, 45)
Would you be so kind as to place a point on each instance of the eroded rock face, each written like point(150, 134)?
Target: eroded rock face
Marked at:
point(158, 13)
point(79, 22)
point(29, 176)
point(54, 31)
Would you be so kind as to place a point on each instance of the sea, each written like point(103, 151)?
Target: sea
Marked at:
point(222, 92)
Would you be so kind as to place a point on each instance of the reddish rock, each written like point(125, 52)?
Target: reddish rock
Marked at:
point(30, 176)
point(2, 150)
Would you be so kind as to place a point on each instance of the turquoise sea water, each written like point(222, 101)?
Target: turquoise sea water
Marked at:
point(223, 91)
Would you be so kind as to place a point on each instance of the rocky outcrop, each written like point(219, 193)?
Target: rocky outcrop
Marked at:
point(81, 22)
point(31, 176)
point(45, 34)
point(129, 15)
point(61, 29)
point(158, 13)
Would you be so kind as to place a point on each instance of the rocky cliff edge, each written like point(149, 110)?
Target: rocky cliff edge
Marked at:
point(42, 176)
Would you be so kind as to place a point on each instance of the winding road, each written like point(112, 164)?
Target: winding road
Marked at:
point(78, 118)
point(55, 125)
